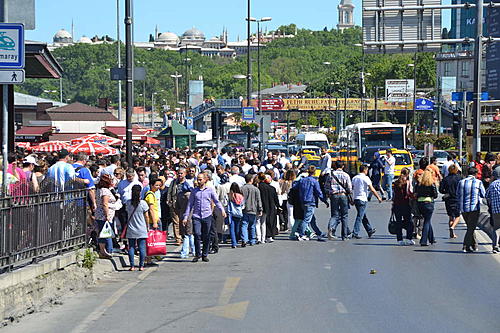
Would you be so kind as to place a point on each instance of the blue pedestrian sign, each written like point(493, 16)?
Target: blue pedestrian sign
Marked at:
point(11, 46)
point(248, 113)
point(189, 123)
point(423, 104)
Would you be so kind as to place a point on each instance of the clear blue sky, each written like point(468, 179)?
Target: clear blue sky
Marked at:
point(98, 17)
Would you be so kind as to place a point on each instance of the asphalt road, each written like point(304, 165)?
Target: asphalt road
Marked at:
point(291, 286)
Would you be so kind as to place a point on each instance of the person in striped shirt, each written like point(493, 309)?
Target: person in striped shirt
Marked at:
point(470, 190)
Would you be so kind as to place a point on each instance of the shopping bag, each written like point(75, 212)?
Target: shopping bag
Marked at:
point(156, 244)
point(392, 227)
point(107, 231)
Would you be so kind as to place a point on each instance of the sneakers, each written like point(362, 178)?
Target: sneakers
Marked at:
point(495, 250)
point(312, 235)
point(409, 242)
point(371, 232)
point(321, 239)
point(303, 238)
point(356, 236)
point(402, 243)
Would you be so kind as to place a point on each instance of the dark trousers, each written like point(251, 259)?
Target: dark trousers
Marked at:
point(339, 210)
point(426, 209)
point(402, 213)
point(283, 216)
point(471, 219)
point(201, 231)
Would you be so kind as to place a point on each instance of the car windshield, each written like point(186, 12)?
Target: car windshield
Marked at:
point(440, 154)
point(402, 159)
point(321, 144)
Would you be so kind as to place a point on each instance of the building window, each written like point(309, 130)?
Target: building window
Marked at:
point(465, 68)
point(447, 69)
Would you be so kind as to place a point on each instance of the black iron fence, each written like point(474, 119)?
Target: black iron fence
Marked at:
point(43, 224)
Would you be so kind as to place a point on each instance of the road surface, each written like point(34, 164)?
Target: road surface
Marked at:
point(291, 286)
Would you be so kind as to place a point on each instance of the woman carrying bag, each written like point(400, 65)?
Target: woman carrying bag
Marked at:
point(426, 193)
point(401, 208)
point(136, 228)
point(107, 203)
point(235, 209)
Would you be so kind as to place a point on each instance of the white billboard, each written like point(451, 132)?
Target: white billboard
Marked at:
point(399, 90)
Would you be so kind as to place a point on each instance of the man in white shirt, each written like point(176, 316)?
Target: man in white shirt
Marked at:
point(450, 160)
point(235, 177)
point(389, 164)
point(245, 167)
point(361, 184)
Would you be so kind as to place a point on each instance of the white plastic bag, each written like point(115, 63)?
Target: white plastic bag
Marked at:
point(107, 231)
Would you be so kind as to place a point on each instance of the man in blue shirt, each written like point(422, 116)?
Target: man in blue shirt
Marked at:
point(81, 172)
point(61, 172)
point(470, 190)
point(310, 192)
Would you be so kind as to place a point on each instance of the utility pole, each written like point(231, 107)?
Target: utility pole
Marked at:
point(415, 116)
point(129, 69)
point(376, 104)
point(119, 58)
point(476, 114)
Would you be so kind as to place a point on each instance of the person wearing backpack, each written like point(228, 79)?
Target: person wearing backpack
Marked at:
point(235, 213)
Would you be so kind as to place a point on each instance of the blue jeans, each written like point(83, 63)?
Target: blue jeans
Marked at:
point(139, 243)
point(107, 241)
point(361, 218)
point(426, 209)
point(308, 218)
point(339, 210)
point(235, 229)
point(388, 178)
point(248, 226)
point(187, 244)
point(201, 232)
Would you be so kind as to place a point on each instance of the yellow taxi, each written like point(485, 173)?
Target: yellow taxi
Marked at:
point(313, 160)
point(403, 160)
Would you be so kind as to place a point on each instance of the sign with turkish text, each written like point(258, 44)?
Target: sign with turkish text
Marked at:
point(399, 90)
point(11, 46)
point(272, 104)
point(423, 104)
point(332, 104)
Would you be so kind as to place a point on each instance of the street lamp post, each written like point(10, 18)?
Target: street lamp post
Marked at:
point(259, 102)
point(414, 116)
point(129, 60)
point(176, 76)
point(118, 53)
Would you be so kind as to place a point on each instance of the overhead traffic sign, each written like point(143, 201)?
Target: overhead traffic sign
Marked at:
point(11, 46)
point(248, 113)
point(459, 96)
point(14, 76)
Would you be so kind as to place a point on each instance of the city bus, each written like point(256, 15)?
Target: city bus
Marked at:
point(358, 140)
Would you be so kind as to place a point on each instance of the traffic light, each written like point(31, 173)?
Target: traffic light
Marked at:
point(222, 119)
point(457, 122)
point(215, 125)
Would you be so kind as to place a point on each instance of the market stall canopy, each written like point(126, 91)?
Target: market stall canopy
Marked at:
point(92, 148)
point(98, 138)
point(152, 141)
point(50, 146)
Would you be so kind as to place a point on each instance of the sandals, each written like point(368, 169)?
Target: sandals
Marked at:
point(132, 269)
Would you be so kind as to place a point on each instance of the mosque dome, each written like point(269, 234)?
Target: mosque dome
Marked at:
point(62, 36)
point(85, 40)
point(193, 33)
point(168, 38)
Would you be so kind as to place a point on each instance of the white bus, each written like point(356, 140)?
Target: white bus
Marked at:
point(312, 139)
point(357, 139)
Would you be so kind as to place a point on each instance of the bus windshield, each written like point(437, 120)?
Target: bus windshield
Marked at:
point(384, 136)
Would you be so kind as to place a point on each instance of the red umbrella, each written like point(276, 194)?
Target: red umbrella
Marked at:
point(152, 141)
point(50, 146)
point(23, 144)
point(98, 138)
point(92, 148)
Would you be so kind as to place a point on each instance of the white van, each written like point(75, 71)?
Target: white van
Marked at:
point(312, 139)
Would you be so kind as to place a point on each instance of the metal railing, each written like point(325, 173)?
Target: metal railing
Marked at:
point(40, 225)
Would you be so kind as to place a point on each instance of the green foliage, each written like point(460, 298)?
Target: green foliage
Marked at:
point(422, 138)
point(88, 259)
point(286, 60)
point(445, 142)
point(249, 127)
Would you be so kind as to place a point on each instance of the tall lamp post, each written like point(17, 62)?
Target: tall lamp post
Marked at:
point(176, 77)
point(129, 69)
point(118, 55)
point(259, 102)
point(414, 116)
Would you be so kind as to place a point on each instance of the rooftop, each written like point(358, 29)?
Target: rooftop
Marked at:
point(80, 112)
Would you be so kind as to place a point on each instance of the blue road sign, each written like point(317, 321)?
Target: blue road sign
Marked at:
point(459, 96)
point(189, 123)
point(423, 104)
point(248, 113)
point(11, 46)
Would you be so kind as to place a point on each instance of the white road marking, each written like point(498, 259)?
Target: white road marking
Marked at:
point(340, 306)
point(482, 239)
point(328, 266)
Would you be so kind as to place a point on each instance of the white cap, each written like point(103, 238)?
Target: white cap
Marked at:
point(31, 160)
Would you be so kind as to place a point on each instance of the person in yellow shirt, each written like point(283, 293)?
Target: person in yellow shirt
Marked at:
point(153, 215)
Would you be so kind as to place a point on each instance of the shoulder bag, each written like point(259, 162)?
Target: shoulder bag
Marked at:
point(347, 192)
point(124, 232)
point(392, 227)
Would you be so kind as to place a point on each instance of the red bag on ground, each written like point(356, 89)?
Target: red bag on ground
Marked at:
point(156, 244)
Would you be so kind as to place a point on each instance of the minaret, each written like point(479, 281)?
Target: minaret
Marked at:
point(346, 14)
point(72, 31)
point(156, 33)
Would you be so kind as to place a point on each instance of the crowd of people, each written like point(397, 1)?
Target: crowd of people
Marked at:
point(207, 198)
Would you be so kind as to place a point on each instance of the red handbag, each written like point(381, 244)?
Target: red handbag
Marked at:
point(156, 243)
